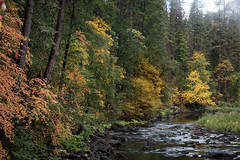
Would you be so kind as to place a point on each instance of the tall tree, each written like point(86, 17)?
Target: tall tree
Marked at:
point(26, 32)
point(155, 31)
point(197, 29)
point(175, 23)
point(57, 40)
point(70, 31)
point(176, 15)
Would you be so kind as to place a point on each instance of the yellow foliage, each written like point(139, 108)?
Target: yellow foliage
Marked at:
point(198, 91)
point(145, 97)
point(224, 70)
point(199, 63)
point(151, 73)
point(145, 100)
point(101, 27)
point(176, 98)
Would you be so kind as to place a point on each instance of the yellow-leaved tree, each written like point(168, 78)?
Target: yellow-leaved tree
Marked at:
point(145, 97)
point(224, 73)
point(197, 91)
point(199, 63)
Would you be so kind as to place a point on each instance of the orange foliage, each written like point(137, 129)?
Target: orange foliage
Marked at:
point(3, 152)
point(11, 35)
point(28, 102)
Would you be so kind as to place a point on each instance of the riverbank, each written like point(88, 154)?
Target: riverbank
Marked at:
point(178, 139)
point(101, 145)
point(224, 117)
point(183, 138)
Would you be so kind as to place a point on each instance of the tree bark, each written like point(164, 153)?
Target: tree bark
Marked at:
point(26, 32)
point(131, 14)
point(57, 40)
point(67, 47)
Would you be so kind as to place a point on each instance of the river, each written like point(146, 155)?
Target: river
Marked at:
point(179, 139)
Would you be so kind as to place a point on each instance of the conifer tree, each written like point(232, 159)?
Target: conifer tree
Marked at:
point(197, 29)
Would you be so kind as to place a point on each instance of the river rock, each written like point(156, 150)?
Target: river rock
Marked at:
point(219, 155)
point(114, 143)
point(121, 128)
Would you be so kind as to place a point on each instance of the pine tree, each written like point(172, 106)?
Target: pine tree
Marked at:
point(182, 54)
point(197, 29)
point(177, 43)
point(155, 31)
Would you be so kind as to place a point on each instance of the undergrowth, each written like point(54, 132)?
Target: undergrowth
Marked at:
point(221, 121)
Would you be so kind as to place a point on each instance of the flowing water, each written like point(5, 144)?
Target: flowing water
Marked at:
point(179, 139)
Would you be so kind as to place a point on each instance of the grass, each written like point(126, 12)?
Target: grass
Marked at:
point(126, 123)
point(225, 108)
point(221, 121)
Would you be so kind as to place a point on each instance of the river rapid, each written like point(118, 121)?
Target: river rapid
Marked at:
point(178, 139)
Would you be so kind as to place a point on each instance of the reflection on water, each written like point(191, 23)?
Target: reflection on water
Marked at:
point(155, 156)
point(186, 118)
point(177, 139)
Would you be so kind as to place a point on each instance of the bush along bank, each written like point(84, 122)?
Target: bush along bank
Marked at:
point(229, 122)
point(223, 117)
point(100, 144)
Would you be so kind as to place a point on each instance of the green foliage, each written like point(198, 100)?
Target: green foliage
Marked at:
point(225, 107)
point(133, 48)
point(181, 55)
point(43, 30)
point(74, 143)
point(197, 29)
point(166, 112)
point(27, 147)
point(235, 87)
point(133, 121)
point(181, 49)
point(155, 31)
point(104, 73)
point(222, 121)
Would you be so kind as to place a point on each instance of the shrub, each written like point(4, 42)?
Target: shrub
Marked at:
point(221, 121)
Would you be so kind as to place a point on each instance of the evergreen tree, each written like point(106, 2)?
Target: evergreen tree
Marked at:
point(178, 46)
point(197, 29)
point(182, 54)
point(155, 31)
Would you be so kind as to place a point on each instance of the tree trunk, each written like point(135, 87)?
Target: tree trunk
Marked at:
point(57, 40)
point(26, 32)
point(131, 14)
point(143, 17)
point(225, 87)
point(67, 47)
